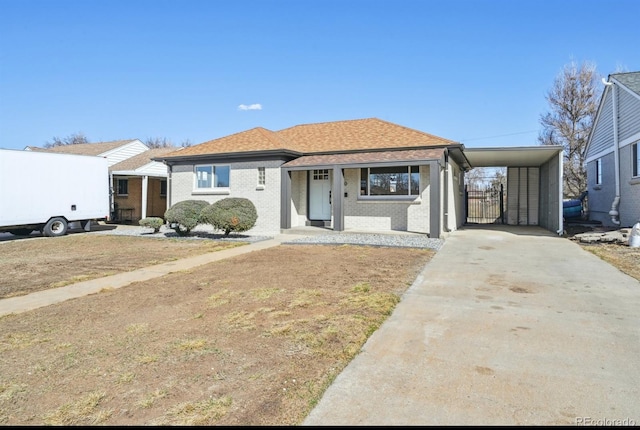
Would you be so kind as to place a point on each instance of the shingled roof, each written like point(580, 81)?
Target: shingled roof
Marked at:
point(319, 138)
point(630, 80)
point(85, 148)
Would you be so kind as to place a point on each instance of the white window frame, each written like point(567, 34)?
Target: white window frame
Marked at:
point(118, 193)
point(213, 189)
point(599, 171)
point(368, 196)
point(262, 177)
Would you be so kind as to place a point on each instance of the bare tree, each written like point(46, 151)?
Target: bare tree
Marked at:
point(186, 143)
point(475, 177)
point(158, 142)
point(73, 139)
point(573, 103)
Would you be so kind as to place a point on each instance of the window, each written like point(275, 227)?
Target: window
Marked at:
point(122, 188)
point(599, 171)
point(321, 175)
point(163, 188)
point(209, 177)
point(390, 181)
point(636, 159)
point(261, 177)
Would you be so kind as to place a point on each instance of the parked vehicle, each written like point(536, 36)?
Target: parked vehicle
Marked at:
point(47, 191)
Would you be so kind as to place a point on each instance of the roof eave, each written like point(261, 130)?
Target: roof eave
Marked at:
point(238, 155)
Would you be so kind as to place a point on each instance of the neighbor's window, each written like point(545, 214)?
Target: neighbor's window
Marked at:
point(261, 176)
point(636, 159)
point(163, 188)
point(599, 171)
point(212, 176)
point(122, 188)
point(390, 181)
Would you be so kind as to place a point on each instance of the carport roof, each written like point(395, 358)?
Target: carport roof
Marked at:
point(520, 156)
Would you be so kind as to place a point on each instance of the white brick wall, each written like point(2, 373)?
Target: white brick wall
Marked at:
point(243, 183)
point(384, 215)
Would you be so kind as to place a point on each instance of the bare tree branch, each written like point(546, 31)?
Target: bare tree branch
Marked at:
point(573, 103)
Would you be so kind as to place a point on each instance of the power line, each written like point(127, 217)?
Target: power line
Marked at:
point(500, 135)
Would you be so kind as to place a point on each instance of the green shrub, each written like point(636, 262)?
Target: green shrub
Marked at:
point(230, 214)
point(184, 215)
point(153, 222)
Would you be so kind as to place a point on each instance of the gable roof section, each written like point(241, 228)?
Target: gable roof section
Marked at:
point(319, 138)
point(97, 148)
point(600, 139)
point(139, 161)
point(630, 80)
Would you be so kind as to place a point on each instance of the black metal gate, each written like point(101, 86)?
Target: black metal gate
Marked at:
point(485, 205)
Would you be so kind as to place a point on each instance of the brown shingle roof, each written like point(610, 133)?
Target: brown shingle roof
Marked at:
point(367, 157)
point(140, 160)
point(256, 139)
point(85, 148)
point(350, 135)
point(371, 133)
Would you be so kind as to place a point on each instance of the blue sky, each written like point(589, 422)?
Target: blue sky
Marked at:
point(474, 71)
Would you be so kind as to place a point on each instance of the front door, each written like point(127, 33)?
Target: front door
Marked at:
point(320, 195)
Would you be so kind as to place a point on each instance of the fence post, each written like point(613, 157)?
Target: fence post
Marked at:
point(502, 203)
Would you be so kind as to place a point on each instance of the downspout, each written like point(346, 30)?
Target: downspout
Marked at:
point(445, 199)
point(615, 215)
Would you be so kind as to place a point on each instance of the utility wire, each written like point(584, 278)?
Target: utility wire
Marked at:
point(500, 135)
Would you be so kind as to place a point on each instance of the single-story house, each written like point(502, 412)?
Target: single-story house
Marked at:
point(138, 184)
point(612, 154)
point(364, 174)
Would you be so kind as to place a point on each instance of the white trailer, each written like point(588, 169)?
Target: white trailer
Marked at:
point(47, 191)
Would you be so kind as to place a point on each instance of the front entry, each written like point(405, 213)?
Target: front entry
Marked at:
point(320, 195)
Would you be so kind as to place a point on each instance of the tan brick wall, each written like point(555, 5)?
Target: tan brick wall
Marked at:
point(156, 204)
point(132, 200)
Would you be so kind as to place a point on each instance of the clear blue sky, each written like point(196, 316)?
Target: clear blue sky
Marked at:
point(474, 71)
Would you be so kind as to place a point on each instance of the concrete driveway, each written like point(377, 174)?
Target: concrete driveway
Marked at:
point(505, 326)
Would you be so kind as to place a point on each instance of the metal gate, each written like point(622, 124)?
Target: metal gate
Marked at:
point(484, 205)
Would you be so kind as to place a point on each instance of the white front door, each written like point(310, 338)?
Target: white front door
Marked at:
point(320, 195)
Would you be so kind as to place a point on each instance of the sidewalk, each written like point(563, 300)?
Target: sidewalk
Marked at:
point(39, 299)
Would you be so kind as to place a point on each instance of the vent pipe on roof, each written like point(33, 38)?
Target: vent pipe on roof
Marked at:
point(613, 213)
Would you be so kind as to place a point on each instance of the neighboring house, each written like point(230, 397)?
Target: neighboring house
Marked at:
point(138, 184)
point(365, 174)
point(612, 153)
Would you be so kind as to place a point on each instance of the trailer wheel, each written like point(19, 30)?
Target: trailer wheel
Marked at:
point(55, 227)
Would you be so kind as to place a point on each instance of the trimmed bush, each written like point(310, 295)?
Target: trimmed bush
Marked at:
point(230, 214)
point(185, 215)
point(153, 222)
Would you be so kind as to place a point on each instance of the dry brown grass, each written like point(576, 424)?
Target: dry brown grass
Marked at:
point(621, 256)
point(42, 263)
point(250, 340)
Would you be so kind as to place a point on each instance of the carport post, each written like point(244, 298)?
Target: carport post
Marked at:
point(434, 199)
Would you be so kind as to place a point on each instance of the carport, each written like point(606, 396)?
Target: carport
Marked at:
point(534, 182)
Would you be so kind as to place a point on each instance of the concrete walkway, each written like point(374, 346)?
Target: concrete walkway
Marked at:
point(508, 326)
point(39, 299)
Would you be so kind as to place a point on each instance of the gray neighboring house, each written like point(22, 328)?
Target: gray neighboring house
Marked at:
point(363, 174)
point(612, 153)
